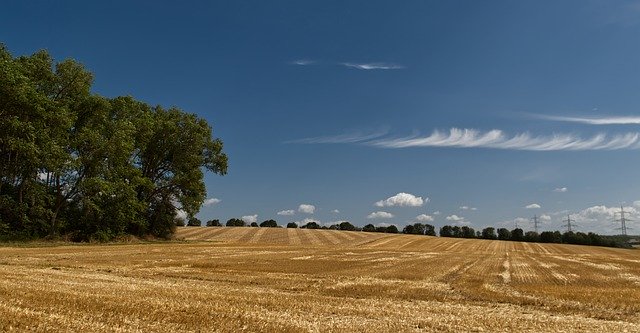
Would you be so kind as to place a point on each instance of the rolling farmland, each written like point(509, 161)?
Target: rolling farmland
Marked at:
point(297, 280)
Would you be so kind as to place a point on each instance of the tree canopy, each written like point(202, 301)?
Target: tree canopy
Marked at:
point(76, 163)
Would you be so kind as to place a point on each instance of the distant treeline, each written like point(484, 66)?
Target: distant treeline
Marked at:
point(88, 167)
point(517, 234)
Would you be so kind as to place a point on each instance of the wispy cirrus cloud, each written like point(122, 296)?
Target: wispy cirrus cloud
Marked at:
point(355, 137)
point(372, 65)
point(497, 139)
point(302, 62)
point(616, 120)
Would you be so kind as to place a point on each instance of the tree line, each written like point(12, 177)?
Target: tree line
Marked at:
point(85, 166)
point(505, 234)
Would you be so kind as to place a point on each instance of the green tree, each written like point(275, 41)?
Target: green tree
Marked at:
point(446, 231)
point(214, 223)
point(489, 233)
point(234, 222)
point(392, 229)
point(345, 225)
point(504, 234)
point(292, 225)
point(369, 228)
point(194, 222)
point(531, 236)
point(311, 225)
point(467, 232)
point(269, 224)
point(517, 235)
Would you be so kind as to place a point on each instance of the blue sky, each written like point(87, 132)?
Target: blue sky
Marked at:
point(474, 110)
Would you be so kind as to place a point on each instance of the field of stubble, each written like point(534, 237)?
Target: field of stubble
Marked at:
point(296, 280)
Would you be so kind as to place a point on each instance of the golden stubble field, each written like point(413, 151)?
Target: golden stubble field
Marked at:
point(296, 280)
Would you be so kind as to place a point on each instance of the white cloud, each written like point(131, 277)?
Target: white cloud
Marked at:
point(636, 203)
point(250, 218)
point(287, 212)
point(424, 218)
point(601, 219)
point(545, 218)
point(380, 215)
point(620, 120)
point(437, 212)
point(307, 209)
point(497, 139)
point(181, 214)
point(560, 189)
point(354, 137)
point(211, 202)
point(373, 65)
point(335, 211)
point(303, 62)
point(532, 206)
point(402, 199)
point(468, 208)
point(307, 220)
point(456, 219)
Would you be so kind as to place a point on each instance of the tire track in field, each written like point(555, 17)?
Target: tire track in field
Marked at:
point(237, 234)
point(311, 236)
point(256, 237)
point(293, 236)
point(329, 237)
point(184, 233)
point(208, 235)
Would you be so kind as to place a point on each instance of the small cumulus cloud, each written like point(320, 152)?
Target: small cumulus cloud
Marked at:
point(560, 189)
point(372, 65)
point(335, 211)
point(545, 218)
point(468, 208)
point(402, 199)
point(532, 206)
point(211, 202)
point(380, 215)
point(250, 218)
point(306, 208)
point(424, 218)
point(437, 212)
point(455, 218)
point(287, 212)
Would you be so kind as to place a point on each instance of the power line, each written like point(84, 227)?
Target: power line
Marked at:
point(623, 221)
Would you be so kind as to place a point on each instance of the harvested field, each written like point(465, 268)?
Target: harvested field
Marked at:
point(294, 280)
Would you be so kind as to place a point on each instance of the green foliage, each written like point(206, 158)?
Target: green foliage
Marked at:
point(72, 162)
point(369, 228)
point(345, 225)
point(489, 233)
point(517, 235)
point(446, 231)
point(269, 224)
point(234, 222)
point(311, 225)
point(504, 234)
point(392, 229)
point(214, 223)
point(194, 222)
point(292, 225)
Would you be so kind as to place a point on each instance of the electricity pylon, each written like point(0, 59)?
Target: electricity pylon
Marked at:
point(623, 221)
point(569, 226)
point(536, 223)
